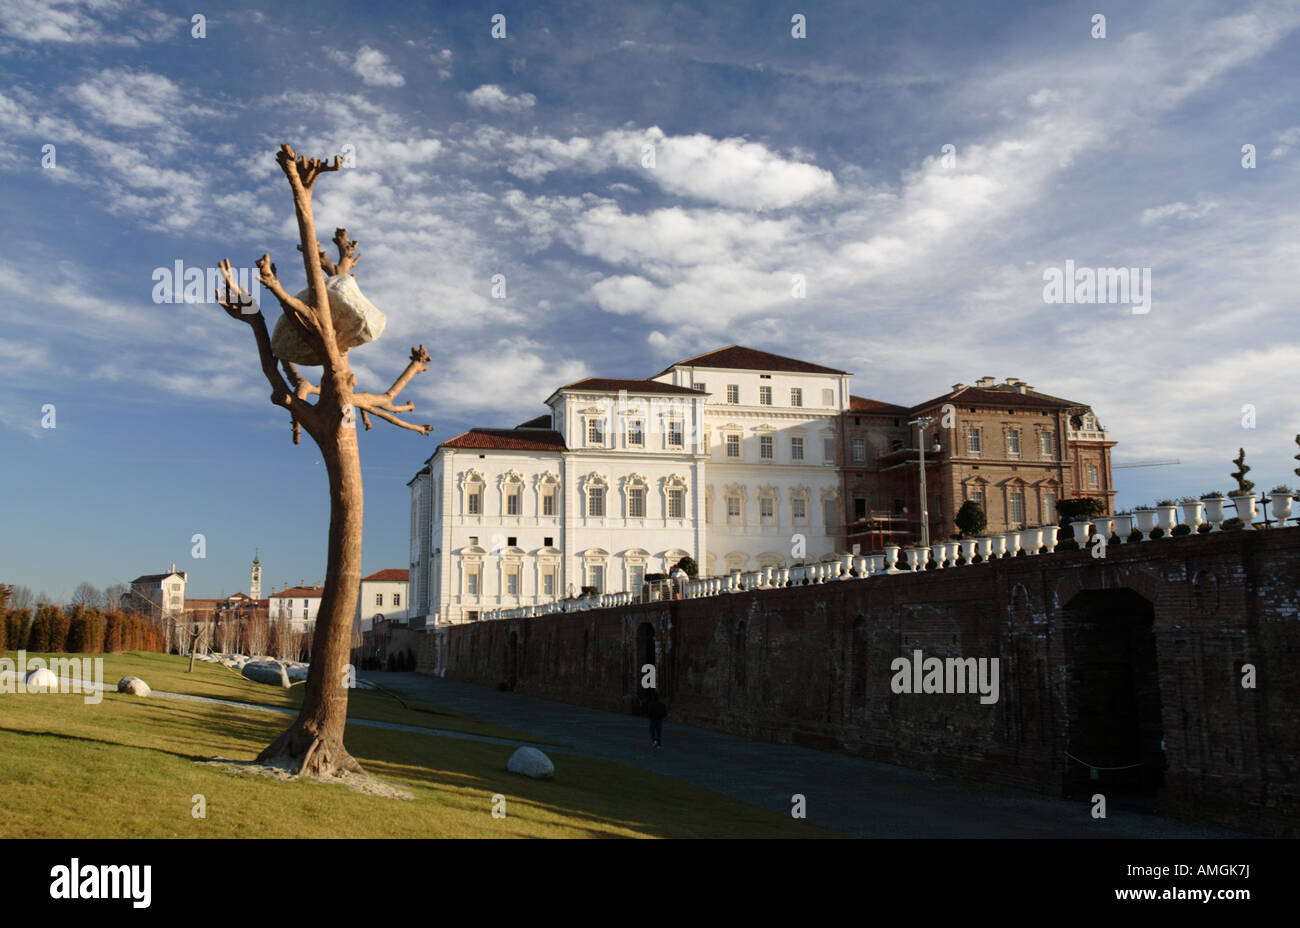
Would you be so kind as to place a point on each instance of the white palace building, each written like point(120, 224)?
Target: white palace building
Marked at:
point(729, 457)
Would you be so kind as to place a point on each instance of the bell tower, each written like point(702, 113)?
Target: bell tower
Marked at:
point(255, 580)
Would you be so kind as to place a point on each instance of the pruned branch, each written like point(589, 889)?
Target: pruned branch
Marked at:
point(418, 364)
point(389, 417)
point(325, 262)
point(348, 254)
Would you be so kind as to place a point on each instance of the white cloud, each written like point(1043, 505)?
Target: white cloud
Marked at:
point(1286, 141)
point(372, 66)
point(491, 97)
point(130, 99)
point(1180, 210)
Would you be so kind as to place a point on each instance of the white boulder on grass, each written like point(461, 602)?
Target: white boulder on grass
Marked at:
point(531, 763)
point(133, 685)
point(272, 673)
point(356, 322)
point(42, 680)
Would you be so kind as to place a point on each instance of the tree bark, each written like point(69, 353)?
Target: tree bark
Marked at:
point(316, 738)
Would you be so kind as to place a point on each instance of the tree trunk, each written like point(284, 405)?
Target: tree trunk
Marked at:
point(316, 738)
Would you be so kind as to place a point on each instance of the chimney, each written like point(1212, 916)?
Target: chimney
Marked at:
point(1022, 387)
point(957, 386)
point(173, 570)
point(985, 382)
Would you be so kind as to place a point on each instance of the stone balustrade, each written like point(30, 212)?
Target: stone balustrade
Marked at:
point(1034, 541)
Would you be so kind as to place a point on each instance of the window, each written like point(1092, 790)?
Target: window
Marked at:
point(595, 432)
point(512, 541)
point(548, 542)
point(513, 503)
point(1045, 444)
point(706, 442)
point(1092, 475)
point(733, 446)
point(1013, 442)
point(548, 503)
point(828, 397)
point(471, 616)
point(765, 396)
point(596, 502)
point(676, 504)
point(859, 507)
point(796, 449)
point(596, 577)
point(703, 388)
point(512, 583)
point(829, 513)
point(475, 503)
point(733, 393)
point(978, 497)
point(636, 503)
point(379, 599)
point(674, 433)
point(397, 599)
point(798, 509)
point(828, 451)
point(1049, 508)
point(304, 606)
point(635, 432)
point(796, 396)
point(733, 507)
point(471, 583)
point(473, 540)
point(859, 450)
point(973, 441)
point(765, 447)
point(1017, 508)
point(548, 584)
point(635, 579)
point(766, 508)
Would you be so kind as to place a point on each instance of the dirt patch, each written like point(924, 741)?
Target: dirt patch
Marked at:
point(286, 769)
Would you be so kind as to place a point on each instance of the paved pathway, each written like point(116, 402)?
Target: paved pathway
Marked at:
point(847, 794)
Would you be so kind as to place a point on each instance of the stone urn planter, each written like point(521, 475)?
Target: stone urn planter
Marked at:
point(1080, 530)
point(1012, 543)
point(1031, 539)
point(1050, 535)
point(968, 546)
point(914, 557)
point(1215, 513)
point(1123, 526)
point(1192, 513)
point(846, 565)
point(938, 554)
point(1245, 504)
point(1146, 521)
point(954, 548)
point(984, 548)
point(1167, 518)
point(891, 559)
point(1280, 507)
point(999, 543)
point(785, 576)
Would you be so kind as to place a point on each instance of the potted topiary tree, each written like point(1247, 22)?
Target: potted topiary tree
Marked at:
point(970, 519)
point(1243, 499)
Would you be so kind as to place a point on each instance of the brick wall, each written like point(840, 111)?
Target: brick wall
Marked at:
point(811, 666)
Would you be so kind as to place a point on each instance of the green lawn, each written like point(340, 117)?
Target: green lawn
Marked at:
point(130, 767)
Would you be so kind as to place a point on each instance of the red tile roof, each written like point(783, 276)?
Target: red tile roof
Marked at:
point(862, 404)
point(1001, 395)
point(305, 592)
point(390, 573)
point(609, 385)
point(738, 357)
point(508, 440)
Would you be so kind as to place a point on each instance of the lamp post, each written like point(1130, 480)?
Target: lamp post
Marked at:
point(920, 424)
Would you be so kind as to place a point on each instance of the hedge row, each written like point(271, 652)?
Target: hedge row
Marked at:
point(81, 630)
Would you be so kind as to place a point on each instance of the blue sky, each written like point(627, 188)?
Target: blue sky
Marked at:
point(523, 156)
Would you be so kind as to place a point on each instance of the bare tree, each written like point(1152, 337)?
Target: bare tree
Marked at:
point(85, 595)
point(315, 739)
point(21, 598)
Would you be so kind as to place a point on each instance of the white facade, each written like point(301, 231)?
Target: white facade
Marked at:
point(381, 598)
point(626, 478)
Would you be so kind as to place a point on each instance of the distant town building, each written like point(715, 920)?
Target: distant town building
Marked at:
point(383, 596)
point(158, 595)
point(298, 604)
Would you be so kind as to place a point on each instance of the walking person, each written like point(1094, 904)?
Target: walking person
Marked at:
point(656, 710)
point(679, 579)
